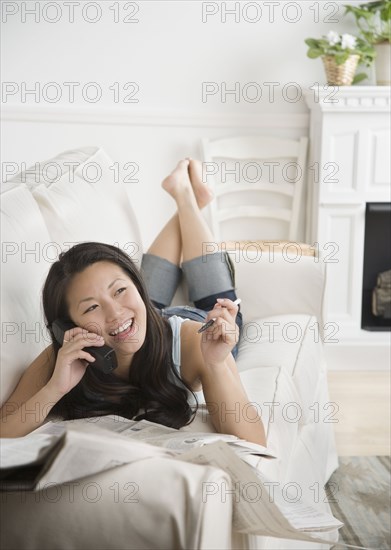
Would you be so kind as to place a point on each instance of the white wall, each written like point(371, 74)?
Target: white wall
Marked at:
point(169, 53)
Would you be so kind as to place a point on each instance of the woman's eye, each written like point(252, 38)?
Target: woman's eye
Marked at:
point(120, 290)
point(90, 309)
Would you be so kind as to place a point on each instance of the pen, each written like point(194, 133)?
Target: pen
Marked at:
point(210, 323)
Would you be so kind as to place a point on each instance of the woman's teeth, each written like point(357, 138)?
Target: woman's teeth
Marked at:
point(122, 328)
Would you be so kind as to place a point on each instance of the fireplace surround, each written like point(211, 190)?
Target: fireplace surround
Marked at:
point(377, 259)
point(349, 146)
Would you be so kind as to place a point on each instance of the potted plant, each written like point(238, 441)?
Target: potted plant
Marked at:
point(374, 21)
point(341, 54)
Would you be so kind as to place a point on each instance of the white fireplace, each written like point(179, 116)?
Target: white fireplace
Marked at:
point(349, 167)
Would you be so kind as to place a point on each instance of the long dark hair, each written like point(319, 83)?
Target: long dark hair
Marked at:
point(154, 386)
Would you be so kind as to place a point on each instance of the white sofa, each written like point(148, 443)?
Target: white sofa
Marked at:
point(55, 205)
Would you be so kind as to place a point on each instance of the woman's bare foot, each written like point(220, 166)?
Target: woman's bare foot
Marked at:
point(178, 181)
point(186, 181)
point(202, 192)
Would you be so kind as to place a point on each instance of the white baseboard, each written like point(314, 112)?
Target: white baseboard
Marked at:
point(358, 356)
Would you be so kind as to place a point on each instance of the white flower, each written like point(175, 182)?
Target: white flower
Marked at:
point(333, 38)
point(348, 42)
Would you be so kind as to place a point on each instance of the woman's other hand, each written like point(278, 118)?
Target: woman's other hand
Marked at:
point(219, 339)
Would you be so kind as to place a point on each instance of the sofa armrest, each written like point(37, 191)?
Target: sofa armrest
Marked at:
point(273, 284)
point(155, 503)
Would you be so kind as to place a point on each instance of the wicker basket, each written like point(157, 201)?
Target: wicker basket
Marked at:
point(340, 75)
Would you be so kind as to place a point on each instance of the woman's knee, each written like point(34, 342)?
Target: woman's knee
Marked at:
point(161, 278)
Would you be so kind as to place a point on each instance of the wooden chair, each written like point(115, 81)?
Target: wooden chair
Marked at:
point(256, 178)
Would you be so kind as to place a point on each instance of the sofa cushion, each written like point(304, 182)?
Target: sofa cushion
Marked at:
point(82, 200)
point(272, 392)
point(272, 284)
point(152, 503)
point(290, 342)
point(26, 256)
point(262, 384)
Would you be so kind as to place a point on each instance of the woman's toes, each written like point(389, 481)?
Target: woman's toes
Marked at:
point(182, 165)
point(202, 192)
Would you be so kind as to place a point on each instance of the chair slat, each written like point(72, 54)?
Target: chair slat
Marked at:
point(254, 212)
point(227, 188)
point(257, 148)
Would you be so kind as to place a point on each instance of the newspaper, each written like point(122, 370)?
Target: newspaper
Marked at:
point(114, 441)
point(27, 463)
point(254, 511)
point(170, 438)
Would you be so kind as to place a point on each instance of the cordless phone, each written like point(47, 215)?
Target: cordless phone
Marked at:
point(105, 358)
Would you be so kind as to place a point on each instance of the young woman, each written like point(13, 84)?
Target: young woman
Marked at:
point(162, 358)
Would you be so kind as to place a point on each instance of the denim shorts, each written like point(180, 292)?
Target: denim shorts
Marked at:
point(208, 277)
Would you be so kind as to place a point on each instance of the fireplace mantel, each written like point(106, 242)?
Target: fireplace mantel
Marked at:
point(349, 166)
point(348, 98)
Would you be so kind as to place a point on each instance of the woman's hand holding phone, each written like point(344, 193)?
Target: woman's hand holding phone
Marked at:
point(72, 360)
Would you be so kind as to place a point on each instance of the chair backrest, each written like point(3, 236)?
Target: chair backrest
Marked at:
point(258, 182)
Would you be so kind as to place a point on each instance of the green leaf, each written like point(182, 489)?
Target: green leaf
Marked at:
point(368, 36)
point(380, 5)
point(323, 43)
point(341, 58)
point(359, 13)
point(311, 42)
point(359, 77)
point(383, 38)
point(367, 15)
point(385, 13)
point(353, 9)
point(313, 53)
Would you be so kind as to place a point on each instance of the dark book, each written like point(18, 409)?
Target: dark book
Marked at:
point(24, 460)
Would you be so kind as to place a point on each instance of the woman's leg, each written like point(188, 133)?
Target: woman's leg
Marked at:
point(168, 244)
point(161, 263)
point(193, 228)
point(209, 274)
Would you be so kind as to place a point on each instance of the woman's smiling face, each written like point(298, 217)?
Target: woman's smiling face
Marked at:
point(104, 300)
